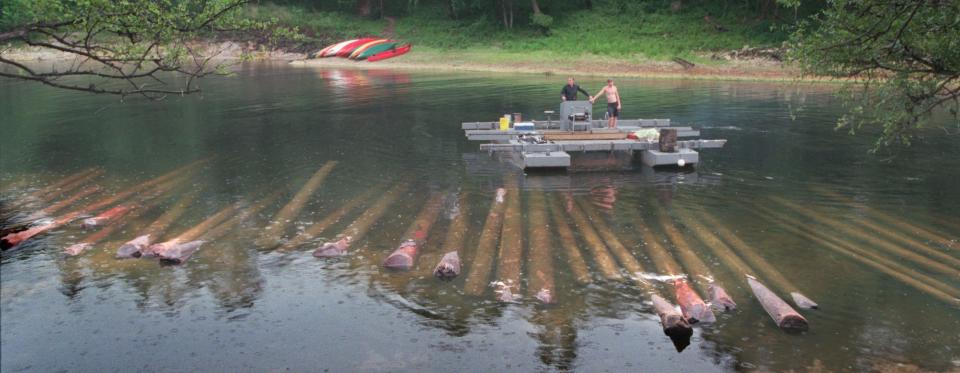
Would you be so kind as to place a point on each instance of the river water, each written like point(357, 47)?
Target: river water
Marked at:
point(809, 201)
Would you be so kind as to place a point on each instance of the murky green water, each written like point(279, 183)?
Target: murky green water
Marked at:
point(782, 186)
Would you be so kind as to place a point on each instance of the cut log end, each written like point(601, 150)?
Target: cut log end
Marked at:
point(398, 261)
point(794, 324)
point(803, 302)
point(674, 325)
point(333, 249)
point(720, 299)
point(449, 267)
point(545, 296)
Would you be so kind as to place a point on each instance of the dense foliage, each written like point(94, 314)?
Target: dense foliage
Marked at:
point(906, 52)
point(120, 45)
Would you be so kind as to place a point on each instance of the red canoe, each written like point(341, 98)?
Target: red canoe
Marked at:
point(349, 48)
point(390, 53)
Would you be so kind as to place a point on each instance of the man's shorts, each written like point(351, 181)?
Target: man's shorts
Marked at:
point(612, 110)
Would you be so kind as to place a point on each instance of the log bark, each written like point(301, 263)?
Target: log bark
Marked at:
point(569, 243)
point(480, 266)
point(540, 259)
point(416, 236)
point(362, 225)
point(783, 315)
point(271, 236)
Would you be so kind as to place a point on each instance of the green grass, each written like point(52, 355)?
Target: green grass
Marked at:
point(657, 36)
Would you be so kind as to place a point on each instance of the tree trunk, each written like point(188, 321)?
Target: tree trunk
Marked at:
point(364, 8)
point(535, 6)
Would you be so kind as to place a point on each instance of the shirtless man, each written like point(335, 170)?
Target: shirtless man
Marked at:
point(613, 102)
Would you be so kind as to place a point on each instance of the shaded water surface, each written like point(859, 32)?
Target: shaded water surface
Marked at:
point(872, 239)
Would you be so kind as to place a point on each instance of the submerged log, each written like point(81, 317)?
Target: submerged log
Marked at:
point(359, 227)
point(608, 267)
point(162, 249)
point(54, 208)
point(574, 258)
point(316, 229)
point(416, 236)
point(933, 265)
point(540, 259)
point(509, 260)
point(783, 315)
point(13, 240)
point(67, 184)
point(449, 266)
point(134, 247)
point(666, 264)
point(107, 216)
point(694, 265)
point(726, 254)
point(482, 261)
point(906, 275)
point(922, 231)
point(270, 237)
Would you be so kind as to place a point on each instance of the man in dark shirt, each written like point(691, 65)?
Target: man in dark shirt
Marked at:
point(569, 92)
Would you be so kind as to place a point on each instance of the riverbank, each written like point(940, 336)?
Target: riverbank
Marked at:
point(550, 63)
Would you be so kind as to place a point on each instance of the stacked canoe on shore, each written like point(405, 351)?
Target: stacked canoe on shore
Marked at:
point(370, 49)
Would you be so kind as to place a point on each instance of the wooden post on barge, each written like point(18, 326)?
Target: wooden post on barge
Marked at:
point(725, 253)
point(270, 237)
point(416, 236)
point(668, 140)
point(509, 259)
point(540, 259)
point(845, 228)
point(574, 258)
point(480, 266)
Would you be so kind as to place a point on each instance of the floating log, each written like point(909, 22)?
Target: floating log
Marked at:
point(608, 267)
point(416, 236)
point(271, 236)
point(315, 229)
point(54, 208)
point(482, 261)
point(574, 258)
point(693, 264)
point(540, 259)
point(674, 324)
point(726, 254)
point(667, 264)
point(845, 228)
point(511, 246)
point(97, 237)
point(133, 248)
point(13, 240)
point(786, 317)
point(360, 226)
point(449, 266)
point(907, 276)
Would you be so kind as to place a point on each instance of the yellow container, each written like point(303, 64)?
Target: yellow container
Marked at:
point(504, 123)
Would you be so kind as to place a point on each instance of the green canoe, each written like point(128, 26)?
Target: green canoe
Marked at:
point(376, 49)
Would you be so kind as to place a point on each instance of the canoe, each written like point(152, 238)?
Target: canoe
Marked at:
point(379, 48)
point(336, 48)
point(349, 48)
point(320, 53)
point(360, 49)
point(390, 53)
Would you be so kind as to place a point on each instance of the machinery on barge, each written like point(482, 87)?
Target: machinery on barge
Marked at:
point(577, 137)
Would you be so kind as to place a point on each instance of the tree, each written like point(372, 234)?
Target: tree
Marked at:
point(121, 47)
point(906, 54)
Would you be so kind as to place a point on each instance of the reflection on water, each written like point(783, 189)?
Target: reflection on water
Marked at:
point(873, 242)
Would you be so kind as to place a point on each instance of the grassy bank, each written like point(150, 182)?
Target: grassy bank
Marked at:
point(620, 34)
